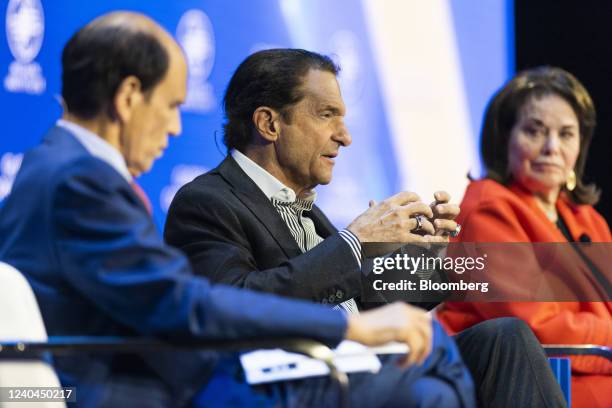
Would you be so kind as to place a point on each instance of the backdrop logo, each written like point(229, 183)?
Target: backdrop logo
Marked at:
point(195, 34)
point(9, 165)
point(25, 29)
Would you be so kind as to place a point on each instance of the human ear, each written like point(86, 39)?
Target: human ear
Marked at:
point(127, 97)
point(265, 120)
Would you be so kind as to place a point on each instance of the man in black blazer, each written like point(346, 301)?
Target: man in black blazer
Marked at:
point(233, 234)
point(251, 222)
point(243, 223)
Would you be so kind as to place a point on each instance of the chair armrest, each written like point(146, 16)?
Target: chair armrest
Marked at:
point(77, 344)
point(578, 350)
point(67, 345)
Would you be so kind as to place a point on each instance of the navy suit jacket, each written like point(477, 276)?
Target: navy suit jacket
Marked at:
point(232, 234)
point(85, 242)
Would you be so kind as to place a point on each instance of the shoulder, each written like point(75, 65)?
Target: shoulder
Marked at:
point(208, 198)
point(207, 188)
point(91, 200)
point(209, 184)
point(88, 171)
point(492, 212)
point(589, 220)
point(488, 194)
point(89, 188)
point(597, 218)
point(220, 186)
point(49, 168)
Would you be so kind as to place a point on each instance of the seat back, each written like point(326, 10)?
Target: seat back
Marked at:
point(20, 320)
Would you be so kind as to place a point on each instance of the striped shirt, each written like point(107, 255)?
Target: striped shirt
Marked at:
point(291, 209)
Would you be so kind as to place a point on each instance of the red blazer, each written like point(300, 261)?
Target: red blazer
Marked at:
point(491, 212)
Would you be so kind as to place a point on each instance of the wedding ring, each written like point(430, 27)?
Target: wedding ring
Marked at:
point(419, 223)
point(456, 232)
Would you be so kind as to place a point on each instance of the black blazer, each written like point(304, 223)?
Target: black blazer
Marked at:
point(232, 234)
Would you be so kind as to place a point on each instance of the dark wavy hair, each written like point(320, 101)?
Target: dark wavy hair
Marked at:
point(503, 111)
point(270, 78)
point(99, 56)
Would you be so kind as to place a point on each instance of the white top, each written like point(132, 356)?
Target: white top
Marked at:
point(267, 183)
point(302, 228)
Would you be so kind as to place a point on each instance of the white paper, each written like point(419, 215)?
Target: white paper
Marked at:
point(263, 366)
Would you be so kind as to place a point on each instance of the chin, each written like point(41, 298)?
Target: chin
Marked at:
point(147, 169)
point(541, 185)
point(140, 170)
point(324, 180)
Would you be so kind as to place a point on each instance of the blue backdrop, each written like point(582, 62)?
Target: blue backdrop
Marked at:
point(216, 37)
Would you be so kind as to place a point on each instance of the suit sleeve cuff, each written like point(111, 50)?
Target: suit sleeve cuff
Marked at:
point(353, 243)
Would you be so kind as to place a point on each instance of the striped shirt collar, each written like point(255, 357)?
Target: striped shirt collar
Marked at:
point(270, 185)
point(97, 147)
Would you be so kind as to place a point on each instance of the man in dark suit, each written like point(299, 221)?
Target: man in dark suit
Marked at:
point(76, 228)
point(251, 222)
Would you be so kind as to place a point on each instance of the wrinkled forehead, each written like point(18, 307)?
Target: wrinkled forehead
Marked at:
point(321, 89)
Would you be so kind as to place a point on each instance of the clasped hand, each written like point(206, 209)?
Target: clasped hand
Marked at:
point(395, 220)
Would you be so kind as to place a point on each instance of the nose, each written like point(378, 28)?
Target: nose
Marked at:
point(174, 126)
point(342, 135)
point(552, 144)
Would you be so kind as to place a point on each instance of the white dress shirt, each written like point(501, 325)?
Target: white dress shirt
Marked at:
point(98, 147)
point(291, 209)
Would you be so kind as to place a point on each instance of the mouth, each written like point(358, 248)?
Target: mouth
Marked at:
point(546, 166)
point(330, 158)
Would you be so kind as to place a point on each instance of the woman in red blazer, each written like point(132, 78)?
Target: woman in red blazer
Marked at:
point(534, 144)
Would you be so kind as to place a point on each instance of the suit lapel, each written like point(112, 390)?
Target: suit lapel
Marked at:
point(322, 224)
point(256, 201)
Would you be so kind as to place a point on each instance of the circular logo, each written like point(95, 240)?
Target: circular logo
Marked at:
point(25, 28)
point(195, 34)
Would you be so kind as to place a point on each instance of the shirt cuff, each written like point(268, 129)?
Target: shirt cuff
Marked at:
point(353, 243)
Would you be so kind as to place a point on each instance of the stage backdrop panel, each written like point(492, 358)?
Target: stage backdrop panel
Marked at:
point(415, 77)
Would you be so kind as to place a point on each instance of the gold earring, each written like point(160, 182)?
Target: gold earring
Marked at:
point(570, 183)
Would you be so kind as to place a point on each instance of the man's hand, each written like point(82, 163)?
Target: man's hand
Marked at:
point(395, 322)
point(393, 220)
point(443, 218)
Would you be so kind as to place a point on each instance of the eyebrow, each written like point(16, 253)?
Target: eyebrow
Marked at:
point(539, 122)
point(335, 110)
